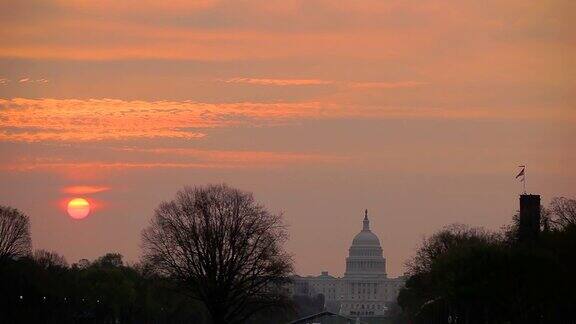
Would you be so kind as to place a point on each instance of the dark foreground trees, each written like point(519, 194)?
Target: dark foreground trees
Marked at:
point(43, 289)
point(223, 248)
point(467, 275)
point(15, 239)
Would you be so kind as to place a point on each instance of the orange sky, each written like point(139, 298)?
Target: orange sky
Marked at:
point(419, 111)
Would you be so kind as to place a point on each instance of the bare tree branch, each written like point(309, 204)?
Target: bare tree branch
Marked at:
point(563, 211)
point(15, 241)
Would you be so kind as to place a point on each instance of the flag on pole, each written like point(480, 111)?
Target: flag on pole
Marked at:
point(521, 174)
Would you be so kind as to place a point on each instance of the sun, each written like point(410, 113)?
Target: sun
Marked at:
point(78, 208)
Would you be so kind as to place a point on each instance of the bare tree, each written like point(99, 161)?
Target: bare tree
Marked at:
point(15, 239)
point(563, 211)
point(223, 247)
point(49, 259)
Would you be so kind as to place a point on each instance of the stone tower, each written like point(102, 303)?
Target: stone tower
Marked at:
point(529, 226)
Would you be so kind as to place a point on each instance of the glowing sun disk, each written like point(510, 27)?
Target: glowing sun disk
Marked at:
point(78, 208)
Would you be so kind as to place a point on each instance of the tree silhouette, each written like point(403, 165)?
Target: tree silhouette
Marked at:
point(563, 211)
point(110, 260)
point(15, 239)
point(47, 259)
point(223, 247)
point(471, 275)
point(443, 241)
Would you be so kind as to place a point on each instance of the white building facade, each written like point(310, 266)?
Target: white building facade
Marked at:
point(365, 290)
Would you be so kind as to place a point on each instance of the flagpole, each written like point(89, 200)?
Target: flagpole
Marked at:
point(524, 182)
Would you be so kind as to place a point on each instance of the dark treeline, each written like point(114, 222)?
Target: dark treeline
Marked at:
point(42, 288)
point(470, 275)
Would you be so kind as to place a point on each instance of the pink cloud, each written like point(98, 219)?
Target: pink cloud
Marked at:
point(80, 190)
point(173, 158)
point(239, 157)
point(310, 82)
point(279, 82)
point(413, 32)
point(386, 85)
point(74, 120)
point(97, 166)
point(28, 80)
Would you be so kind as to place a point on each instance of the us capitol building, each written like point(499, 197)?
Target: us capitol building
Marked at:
point(365, 290)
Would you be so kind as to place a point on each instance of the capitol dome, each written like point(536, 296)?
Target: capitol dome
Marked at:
point(365, 237)
point(365, 254)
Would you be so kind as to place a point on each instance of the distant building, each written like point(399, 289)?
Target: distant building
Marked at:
point(365, 290)
point(326, 318)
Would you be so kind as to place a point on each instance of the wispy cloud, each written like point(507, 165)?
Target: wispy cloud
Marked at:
point(279, 82)
point(315, 82)
point(73, 120)
point(36, 120)
point(172, 158)
point(386, 85)
point(28, 80)
point(80, 190)
point(97, 166)
point(239, 157)
point(251, 29)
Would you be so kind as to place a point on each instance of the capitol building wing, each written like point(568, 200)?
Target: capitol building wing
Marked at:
point(365, 290)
